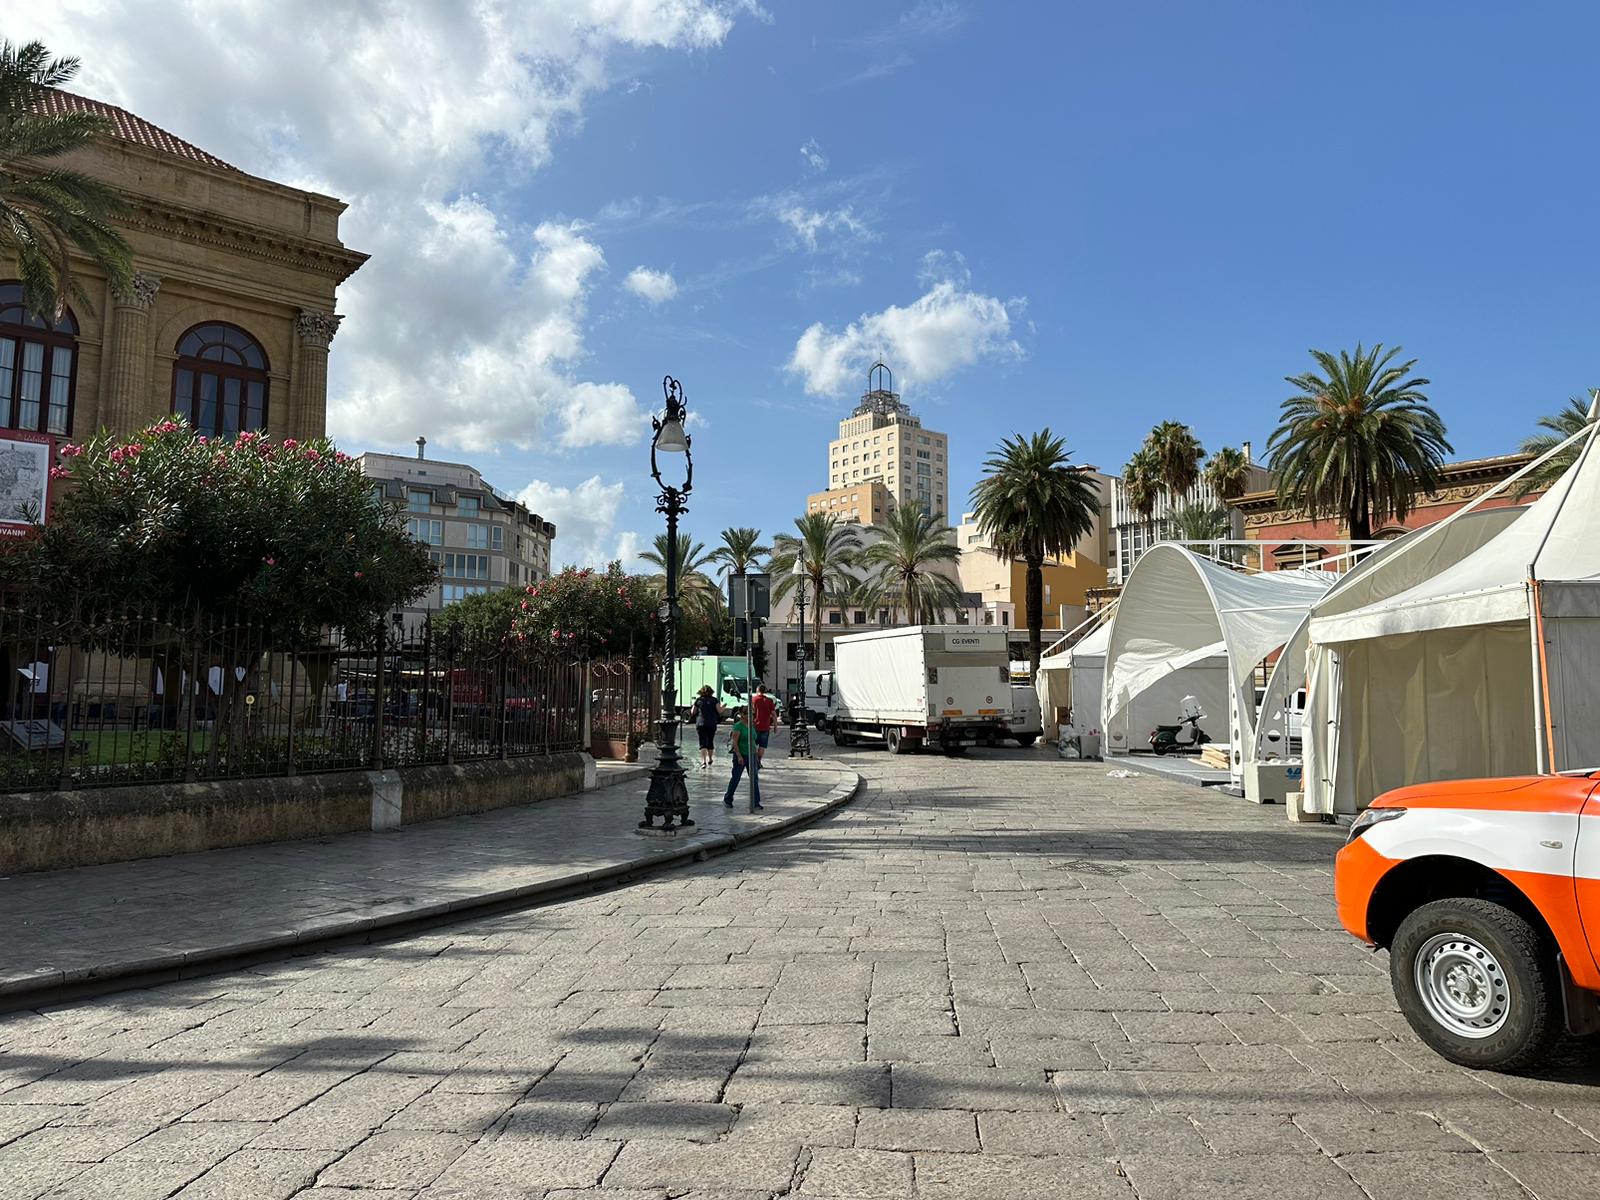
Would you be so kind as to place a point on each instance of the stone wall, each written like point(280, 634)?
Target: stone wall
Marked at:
point(48, 830)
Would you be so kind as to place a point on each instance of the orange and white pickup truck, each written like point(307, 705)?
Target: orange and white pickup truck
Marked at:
point(1486, 894)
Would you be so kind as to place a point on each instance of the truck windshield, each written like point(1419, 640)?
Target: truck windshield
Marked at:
point(733, 686)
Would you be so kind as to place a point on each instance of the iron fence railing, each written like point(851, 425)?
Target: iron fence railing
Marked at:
point(129, 697)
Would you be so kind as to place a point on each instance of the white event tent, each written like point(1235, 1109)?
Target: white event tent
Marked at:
point(1485, 668)
point(1387, 571)
point(1177, 608)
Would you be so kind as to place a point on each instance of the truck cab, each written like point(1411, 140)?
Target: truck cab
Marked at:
point(1486, 893)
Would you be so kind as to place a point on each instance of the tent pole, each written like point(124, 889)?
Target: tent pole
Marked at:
point(1543, 718)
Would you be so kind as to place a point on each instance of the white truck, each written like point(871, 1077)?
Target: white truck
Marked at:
point(939, 686)
point(1026, 723)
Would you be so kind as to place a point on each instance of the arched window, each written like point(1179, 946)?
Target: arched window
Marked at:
point(38, 364)
point(219, 383)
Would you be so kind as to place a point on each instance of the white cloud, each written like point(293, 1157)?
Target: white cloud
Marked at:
point(948, 327)
point(585, 518)
point(815, 158)
point(465, 325)
point(653, 287)
point(808, 223)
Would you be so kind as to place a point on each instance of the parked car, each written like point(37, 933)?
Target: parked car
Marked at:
point(1486, 893)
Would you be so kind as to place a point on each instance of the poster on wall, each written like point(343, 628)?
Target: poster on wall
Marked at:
point(24, 482)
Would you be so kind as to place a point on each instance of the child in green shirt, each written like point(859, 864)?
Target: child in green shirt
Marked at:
point(741, 741)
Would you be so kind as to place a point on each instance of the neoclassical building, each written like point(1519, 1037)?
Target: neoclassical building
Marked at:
point(228, 321)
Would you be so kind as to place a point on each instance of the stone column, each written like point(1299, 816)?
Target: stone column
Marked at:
point(128, 404)
point(309, 388)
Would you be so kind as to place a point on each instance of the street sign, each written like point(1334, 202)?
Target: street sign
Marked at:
point(750, 595)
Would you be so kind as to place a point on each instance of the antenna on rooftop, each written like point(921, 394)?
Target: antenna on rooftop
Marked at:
point(421, 442)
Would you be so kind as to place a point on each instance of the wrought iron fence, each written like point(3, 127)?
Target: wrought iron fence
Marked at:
point(623, 698)
point(129, 697)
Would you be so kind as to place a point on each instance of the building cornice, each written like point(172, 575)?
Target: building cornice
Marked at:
point(210, 229)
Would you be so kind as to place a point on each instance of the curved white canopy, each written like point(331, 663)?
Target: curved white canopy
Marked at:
point(1176, 607)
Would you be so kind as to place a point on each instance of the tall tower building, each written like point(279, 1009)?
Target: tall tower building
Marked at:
point(883, 443)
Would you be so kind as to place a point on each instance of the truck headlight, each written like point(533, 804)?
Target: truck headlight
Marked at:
point(1371, 817)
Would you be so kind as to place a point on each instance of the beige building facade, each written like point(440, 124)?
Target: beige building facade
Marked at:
point(863, 504)
point(883, 442)
point(480, 540)
point(230, 315)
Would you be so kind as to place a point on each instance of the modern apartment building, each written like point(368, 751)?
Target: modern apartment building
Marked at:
point(480, 540)
point(883, 442)
point(1132, 533)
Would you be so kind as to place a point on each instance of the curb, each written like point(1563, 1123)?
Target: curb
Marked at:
point(44, 986)
point(1133, 764)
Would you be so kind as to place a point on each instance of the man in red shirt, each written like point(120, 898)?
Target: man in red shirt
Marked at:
point(763, 712)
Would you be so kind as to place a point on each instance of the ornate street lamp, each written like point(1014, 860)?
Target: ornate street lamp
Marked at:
point(668, 798)
point(800, 736)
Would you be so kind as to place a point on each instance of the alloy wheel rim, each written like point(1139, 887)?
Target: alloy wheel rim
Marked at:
point(1462, 985)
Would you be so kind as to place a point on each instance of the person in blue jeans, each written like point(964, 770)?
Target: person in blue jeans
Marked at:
point(741, 741)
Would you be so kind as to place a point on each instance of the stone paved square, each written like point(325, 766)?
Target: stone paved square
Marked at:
point(926, 995)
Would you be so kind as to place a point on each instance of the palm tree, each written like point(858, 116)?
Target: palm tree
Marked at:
point(903, 562)
point(741, 549)
point(1033, 505)
point(1561, 426)
point(1178, 455)
point(1228, 473)
point(48, 212)
point(695, 587)
point(826, 551)
point(1141, 484)
point(1358, 441)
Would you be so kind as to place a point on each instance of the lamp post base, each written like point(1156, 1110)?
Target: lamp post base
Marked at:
point(667, 799)
point(799, 742)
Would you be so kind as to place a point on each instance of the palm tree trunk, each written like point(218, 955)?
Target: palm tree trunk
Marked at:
point(816, 587)
point(1035, 598)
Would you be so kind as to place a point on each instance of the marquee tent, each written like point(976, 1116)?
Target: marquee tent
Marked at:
point(1389, 570)
point(1485, 668)
point(1174, 610)
point(1076, 677)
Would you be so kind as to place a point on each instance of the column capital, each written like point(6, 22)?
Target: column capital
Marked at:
point(317, 328)
point(140, 292)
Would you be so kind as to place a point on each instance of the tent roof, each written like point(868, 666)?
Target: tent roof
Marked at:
point(1092, 645)
point(1176, 607)
point(1552, 539)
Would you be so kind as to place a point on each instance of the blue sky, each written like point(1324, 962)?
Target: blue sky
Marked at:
point(1092, 217)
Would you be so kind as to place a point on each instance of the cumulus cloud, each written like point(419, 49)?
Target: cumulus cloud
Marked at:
point(653, 287)
point(585, 518)
point(466, 325)
point(812, 153)
point(948, 327)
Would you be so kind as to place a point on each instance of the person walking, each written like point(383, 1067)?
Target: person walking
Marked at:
point(741, 741)
point(706, 713)
point(764, 713)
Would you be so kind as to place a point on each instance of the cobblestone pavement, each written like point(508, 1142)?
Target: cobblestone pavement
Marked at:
point(998, 976)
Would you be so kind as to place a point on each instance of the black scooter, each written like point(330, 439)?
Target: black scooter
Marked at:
point(1168, 739)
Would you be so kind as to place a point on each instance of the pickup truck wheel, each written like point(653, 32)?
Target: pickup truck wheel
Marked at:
point(1477, 984)
point(1027, 740)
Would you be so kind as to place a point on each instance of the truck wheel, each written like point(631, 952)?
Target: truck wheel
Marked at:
point(1476, 984)
point(893, 740)
point(841, 738)
point(1027, 740)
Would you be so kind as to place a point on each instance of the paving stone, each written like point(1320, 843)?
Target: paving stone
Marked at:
point(861, 1174)
point(675, 1165)
point(1425, 1175)
point(864, 1085)
point(1034, 1133)
point(1253, 1133)
point(916, 1129)
point(1011, 1177)
point(402, 1159)
point(1257, 1177)
point(1551, 1174)
point(918, 1085)
point(258, 1175)
point(795, 1124)
point(527, 1163)
point(1349, 1131)
point(688, 1122)
point(1154, 1133)
point(1498, 1127)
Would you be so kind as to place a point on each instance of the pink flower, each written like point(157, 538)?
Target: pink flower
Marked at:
point(59, 472)
point(313, 456)
point(358, 575)
point(71, 451)
point(290, 443)
point(270, 561)
point(526, 606)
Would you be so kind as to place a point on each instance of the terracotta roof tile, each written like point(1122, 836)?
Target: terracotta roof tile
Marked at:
point(129, 127)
